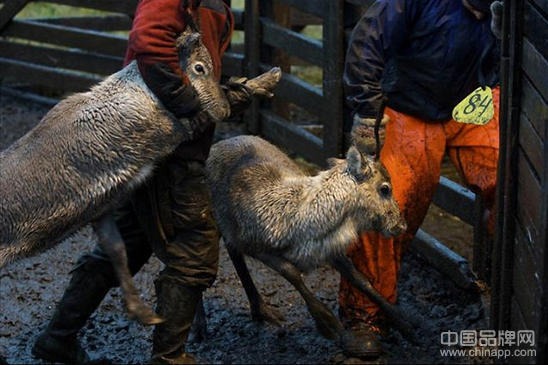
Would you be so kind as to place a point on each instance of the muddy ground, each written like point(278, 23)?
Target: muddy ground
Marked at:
point(30, 289)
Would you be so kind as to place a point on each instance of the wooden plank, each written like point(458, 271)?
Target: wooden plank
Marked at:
point(280, 14)
point(542, 5)
point(535, 108)
point(535, 67)
point(115, 6)
point(59, 58)
point(456, 200)
point(536, 30)
point(103, 43)
point(300, 20)
point(318, 8)
point(527, 221)
point(445, 260)
point(527, 293)
point(532, 145)
point(9, 10)
point(252, 59)
point(529, 255)
point(233, 64)
point(102, 23)
point(482, 247)
point(291, 136)
point(334, 52)
point(35, 98)
point(506, 175)
point(52, 78)
point(292, 42)
point(239, 19)
point(542, 348)
point(517, 324)
point(302, 94)
point(529, 193)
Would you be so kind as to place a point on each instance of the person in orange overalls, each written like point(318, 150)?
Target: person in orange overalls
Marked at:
point(424, 56)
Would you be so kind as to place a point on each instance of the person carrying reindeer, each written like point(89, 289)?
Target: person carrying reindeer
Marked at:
point(424, 57)
point(171, 215)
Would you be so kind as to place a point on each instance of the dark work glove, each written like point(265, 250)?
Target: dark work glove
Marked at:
point(496, 18)
point(363, 133)
point(180, 99)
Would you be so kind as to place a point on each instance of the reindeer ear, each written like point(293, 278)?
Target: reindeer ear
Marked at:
point(333, 161)
point(354, 160)
point(367, 165)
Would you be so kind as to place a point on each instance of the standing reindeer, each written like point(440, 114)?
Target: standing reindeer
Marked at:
point(268, 209)
point(92, 149)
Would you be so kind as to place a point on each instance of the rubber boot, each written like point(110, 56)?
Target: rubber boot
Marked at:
point(361, 341)
point(58, 343)
point(177, 305)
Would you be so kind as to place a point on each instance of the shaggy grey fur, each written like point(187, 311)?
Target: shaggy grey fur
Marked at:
point(267, 208)
point(89, 151)
point(265, 203)
point(92, 149)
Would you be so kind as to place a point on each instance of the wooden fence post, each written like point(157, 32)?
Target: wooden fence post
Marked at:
point(9, 10)
point(333, 51)
point(481, 249)
point(506, 232)
point(252, 58)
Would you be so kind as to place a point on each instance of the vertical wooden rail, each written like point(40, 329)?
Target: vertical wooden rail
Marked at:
point(500, 193)
point(542, 355)
point(481, 248)
point(9, 10)
point(512, 98)
point(280, 13)
point(252, 55)
point(333, 50)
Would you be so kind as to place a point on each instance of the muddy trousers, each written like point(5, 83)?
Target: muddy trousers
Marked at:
point(412, 154)
point(181, 233)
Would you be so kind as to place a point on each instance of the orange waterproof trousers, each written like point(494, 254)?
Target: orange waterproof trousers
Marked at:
point(412, 153)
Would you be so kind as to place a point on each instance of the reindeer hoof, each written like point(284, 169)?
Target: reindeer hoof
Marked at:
point(268, 314)
point(145, 316)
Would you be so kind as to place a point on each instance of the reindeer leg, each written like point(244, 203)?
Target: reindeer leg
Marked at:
point(260, 311)
point(113, 245)
point(328, 325)
point(199, 326)
point(347, 269)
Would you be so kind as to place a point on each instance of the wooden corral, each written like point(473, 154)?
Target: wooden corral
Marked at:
point(69, 54)
point(520, 271)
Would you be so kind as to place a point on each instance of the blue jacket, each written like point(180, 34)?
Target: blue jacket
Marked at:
point(424, 55)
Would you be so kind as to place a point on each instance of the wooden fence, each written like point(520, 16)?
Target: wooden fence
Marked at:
point(69, 54)
point(520, 280)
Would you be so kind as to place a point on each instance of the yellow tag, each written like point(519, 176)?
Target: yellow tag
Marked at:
point(476, 108)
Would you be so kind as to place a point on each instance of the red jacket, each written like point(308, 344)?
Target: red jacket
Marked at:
point(157, 24)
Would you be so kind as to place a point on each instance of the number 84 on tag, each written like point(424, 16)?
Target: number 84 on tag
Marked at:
point(476, 108)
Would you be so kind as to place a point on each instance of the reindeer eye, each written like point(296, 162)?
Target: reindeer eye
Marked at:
point(199, 68)
point(385, 190)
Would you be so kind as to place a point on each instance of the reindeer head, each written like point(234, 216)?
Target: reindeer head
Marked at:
point(375, 206)
point(195, 61)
